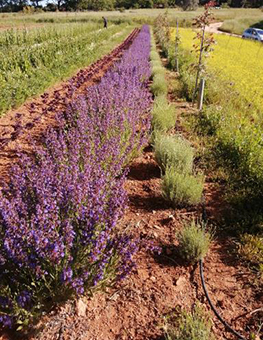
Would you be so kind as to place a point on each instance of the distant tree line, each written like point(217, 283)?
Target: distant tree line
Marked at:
point(97, 5)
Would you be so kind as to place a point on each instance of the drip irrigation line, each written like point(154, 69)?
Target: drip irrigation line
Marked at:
point(213, 307)
point(227, 326)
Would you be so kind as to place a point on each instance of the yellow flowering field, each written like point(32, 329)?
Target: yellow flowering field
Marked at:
point(236, 60)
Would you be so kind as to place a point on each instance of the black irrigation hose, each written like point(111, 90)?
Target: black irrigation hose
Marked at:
point(230, 329)
point(213, 307)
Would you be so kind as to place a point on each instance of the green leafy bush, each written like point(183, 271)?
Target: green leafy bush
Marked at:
point(174, 151)
point(182, 189)
point(182, 325)
point(194, 242)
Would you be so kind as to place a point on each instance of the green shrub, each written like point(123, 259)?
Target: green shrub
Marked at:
point(182, 189)
point(164, 116)
point(174, 151)
point(182, 325)
point(194, 242)
point(154, 55)
point(158, 69)
point(159, 85)
point(156, 63)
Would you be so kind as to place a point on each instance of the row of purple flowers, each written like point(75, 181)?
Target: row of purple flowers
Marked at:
point(59, 211)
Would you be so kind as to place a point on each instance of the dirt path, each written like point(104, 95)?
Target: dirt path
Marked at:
point(20, 126)
point(215, 28)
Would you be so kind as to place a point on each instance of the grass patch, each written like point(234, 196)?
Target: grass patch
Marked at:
point(182, 189)
point(182, 325)
point(194, 242)
point(238, 25)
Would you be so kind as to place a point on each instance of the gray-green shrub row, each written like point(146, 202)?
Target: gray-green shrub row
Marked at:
point(181, 187)
point(174, 154)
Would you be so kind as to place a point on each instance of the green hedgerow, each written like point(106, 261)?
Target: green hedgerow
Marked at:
point(174, 150)
point(182, 189)
point(194, 242)
point(182, 325)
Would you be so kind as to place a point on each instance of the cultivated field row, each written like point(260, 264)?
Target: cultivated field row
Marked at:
point(114, 187)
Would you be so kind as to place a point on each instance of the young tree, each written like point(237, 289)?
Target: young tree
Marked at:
point(204, 43)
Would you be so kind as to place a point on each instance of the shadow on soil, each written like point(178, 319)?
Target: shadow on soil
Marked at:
point(148, 203)
point(160, 337)
point(169, 256)
point(144, 171)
